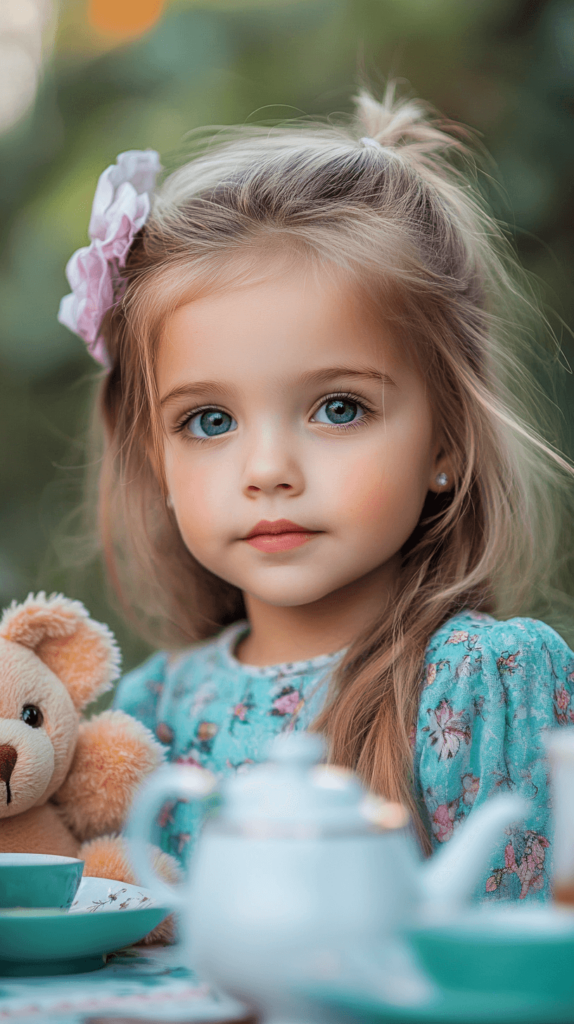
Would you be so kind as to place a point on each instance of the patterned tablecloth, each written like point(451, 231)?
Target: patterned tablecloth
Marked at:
point(147, 984)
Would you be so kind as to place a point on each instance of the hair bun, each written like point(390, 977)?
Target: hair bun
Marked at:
point(411, 127)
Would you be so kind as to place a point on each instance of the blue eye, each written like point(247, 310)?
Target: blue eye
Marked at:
point(211, 423)
point(338, 410)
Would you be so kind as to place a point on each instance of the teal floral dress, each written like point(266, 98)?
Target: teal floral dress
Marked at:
point(490, 690)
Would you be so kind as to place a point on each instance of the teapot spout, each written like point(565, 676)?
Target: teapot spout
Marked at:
point(451, 874)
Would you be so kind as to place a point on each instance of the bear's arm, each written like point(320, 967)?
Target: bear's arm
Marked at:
point(113, 755)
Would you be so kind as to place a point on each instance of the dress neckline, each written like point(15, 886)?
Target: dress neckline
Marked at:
point(227, 644)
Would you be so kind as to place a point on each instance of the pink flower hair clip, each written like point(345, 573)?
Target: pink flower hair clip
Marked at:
point(121, 207)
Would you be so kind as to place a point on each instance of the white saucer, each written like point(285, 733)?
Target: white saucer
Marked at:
point(104, 896)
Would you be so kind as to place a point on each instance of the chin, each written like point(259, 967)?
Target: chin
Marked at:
point(293, 595)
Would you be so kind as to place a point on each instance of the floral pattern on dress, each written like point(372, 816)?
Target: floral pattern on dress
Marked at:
point(480, 730)
point(443, 818)
point(289, 702)
point(529, 869)
point(563, 713)
point(205, 735)
point(240, 711)
point(489, 691)
point(430, 674)
point(507, 662)
point(462, 636)
point(191, 758)
point(470, 787)
point(447, 729)
point(446, 817)
point(164, 733)
point(458, 636)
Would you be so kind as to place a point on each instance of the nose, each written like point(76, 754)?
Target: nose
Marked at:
point(272, 465)
point(8, 758)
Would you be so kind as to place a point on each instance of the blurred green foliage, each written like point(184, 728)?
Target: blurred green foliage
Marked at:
point(505, 67)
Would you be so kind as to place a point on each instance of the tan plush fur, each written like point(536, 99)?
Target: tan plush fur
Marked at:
point(62, 780)
point(81, 652)
point(39, 830)
point(97, 792)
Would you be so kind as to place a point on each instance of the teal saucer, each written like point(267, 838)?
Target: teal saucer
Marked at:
point(43, 968)
point(508, 965)
point(448, 1008)
point(525, 950)
point(69, 943)
point(106, 916)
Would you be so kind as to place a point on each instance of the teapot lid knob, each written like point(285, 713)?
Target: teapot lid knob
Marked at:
point(297, 748)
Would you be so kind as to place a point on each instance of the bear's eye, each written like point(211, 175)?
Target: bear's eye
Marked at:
point(32, 716)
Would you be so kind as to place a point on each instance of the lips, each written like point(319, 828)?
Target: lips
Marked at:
point(278, 535)
point(266, 526)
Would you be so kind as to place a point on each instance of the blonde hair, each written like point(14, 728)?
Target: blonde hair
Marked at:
point(398, 212)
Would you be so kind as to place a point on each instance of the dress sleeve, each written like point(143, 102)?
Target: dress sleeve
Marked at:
point(490, 691)
point(138, 692)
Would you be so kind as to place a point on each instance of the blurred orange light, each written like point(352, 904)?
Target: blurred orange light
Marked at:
point(124, 17)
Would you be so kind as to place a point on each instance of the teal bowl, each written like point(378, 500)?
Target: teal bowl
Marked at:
point(528, 951)
point(38, 880)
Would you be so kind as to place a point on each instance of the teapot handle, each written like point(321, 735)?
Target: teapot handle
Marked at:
point(188, 781)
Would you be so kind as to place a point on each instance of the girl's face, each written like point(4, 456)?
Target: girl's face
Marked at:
point(286, 410)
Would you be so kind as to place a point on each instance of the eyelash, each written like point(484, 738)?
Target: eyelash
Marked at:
point(367, 410)
point(182, 423)
point(347, 395)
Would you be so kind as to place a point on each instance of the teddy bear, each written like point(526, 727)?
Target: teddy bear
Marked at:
point(66, 784)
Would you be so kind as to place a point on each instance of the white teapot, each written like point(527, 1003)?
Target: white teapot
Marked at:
point(299, 865)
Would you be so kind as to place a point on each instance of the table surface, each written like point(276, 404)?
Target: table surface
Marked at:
point(138, 984)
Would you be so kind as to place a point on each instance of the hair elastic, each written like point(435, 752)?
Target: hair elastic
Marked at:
point(367, 141)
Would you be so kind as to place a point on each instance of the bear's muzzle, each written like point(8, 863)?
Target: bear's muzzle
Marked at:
point(8, 758)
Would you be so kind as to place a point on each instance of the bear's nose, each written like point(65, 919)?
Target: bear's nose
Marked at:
point(8, 758)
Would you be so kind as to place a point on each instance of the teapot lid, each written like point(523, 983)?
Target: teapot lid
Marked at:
point(293, 795)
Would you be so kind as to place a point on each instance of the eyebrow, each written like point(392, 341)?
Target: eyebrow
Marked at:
point(334, 372)
point(197, 389)
point(206, 388)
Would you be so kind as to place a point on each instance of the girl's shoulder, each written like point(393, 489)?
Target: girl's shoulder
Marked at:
point(472, 651)
point(469, 631)
point(140, 691)
point(487, 626)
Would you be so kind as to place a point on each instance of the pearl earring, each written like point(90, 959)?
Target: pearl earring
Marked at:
point(441, 479)
point(169, 501)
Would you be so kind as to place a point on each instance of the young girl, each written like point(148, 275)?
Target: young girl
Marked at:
point(312, 467)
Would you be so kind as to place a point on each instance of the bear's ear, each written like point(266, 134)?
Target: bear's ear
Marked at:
point(81, 652)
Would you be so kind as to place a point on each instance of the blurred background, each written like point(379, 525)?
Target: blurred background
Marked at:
point(81, 81)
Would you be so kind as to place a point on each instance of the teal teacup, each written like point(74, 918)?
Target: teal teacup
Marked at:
point(527, 950)
point(38, 880)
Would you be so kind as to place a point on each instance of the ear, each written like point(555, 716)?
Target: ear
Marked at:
point(442, 477)
point(81, 652)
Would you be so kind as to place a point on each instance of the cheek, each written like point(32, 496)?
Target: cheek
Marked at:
point(367, 494)
point(374, 490)
point(200, 493)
